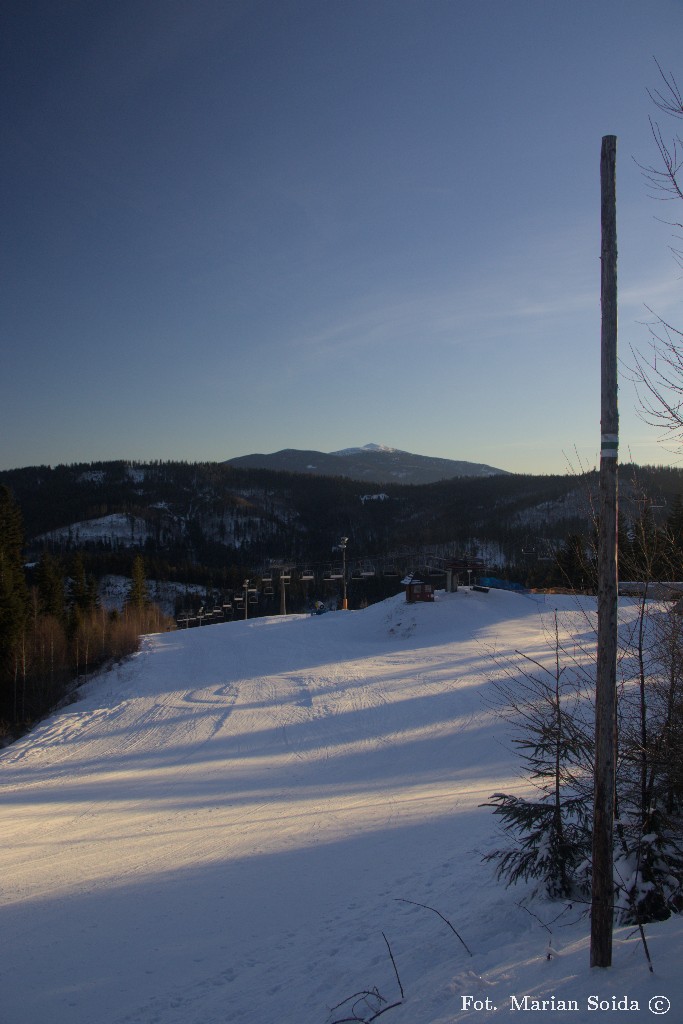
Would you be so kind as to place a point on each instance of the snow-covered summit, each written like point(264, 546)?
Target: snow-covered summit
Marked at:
point(371, 447)
point(377, 463)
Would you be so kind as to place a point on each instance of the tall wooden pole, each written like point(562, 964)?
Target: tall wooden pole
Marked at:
point(602, 909)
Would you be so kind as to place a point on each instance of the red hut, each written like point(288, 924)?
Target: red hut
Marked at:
point(417, 590)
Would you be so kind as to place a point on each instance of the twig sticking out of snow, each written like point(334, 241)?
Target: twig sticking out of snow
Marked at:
point(439, 914)
point(536, 917)
point(365, 997)
point(395, 967)
point(369, 1000)
point(569, 906)
point(631, 897)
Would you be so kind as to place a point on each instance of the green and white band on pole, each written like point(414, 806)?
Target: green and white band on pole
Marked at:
point(609, 446)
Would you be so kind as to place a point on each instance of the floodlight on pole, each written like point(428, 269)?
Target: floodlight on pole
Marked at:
point(342, 544)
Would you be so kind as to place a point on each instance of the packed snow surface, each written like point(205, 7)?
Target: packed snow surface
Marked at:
point(224, 829)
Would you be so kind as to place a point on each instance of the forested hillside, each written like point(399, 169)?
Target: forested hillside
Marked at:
point(202, 519)
point(79, 543)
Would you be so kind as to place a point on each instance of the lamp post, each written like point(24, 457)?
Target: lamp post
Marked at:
point(342, 544)
point(246, 599)
point(283, 599)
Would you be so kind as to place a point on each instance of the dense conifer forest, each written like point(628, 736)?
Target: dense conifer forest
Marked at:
point(198, 516)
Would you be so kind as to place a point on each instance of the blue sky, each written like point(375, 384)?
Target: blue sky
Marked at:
point(233, 226)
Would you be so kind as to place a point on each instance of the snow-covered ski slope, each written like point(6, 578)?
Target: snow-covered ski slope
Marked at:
point(223, 827)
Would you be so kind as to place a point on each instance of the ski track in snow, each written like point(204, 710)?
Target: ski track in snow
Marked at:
point(222, 827)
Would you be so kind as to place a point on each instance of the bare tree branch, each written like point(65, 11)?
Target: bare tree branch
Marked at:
point(439, 914)
point(670, 101)
point(658, 376)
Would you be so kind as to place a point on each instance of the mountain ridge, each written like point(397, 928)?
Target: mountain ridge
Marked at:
point(372, 463)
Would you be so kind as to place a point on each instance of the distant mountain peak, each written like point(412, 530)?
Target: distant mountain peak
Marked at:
point(371, 447)
point(373, 463)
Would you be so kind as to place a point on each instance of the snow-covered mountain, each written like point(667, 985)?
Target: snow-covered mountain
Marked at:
point(244, 824)
point(374, 463)
point(371, 447)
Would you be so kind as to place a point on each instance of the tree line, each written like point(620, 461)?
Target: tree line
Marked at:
point(53, 631)
point(199, 518)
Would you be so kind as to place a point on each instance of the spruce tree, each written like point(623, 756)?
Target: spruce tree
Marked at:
point(550, 833)
point(83, 586)
point(50, 584)
point(649, 834)
point(138, 595)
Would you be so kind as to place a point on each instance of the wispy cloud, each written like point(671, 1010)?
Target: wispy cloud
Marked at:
point(494, 309)
point(659, 294)
point(557, 305)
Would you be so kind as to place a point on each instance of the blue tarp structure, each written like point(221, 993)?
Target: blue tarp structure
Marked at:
point(493, 581)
